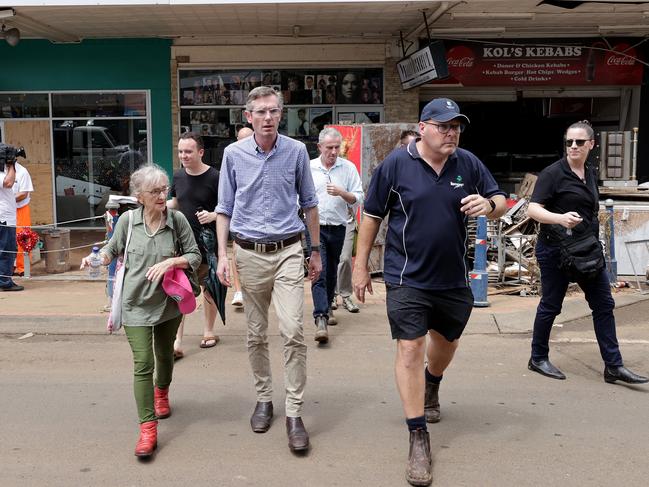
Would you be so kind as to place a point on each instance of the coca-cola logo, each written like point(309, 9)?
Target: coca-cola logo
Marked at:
point(460, 60)
point(623, 55)
point(464, 62)
point(614, 60)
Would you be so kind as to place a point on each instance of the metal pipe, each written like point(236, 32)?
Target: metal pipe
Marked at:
point(27, 267)
point(634, 158)
point(612, 262)
point(441, 10)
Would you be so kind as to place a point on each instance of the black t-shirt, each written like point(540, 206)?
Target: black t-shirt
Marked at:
point(193, 192)
point(560, 190)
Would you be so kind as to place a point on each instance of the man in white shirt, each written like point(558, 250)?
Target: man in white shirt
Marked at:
point(22, 189)
point(339, 188)
point(8, 227)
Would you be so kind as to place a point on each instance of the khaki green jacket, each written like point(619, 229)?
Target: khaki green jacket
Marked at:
point(144, 303)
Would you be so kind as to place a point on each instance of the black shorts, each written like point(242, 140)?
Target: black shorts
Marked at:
point(412, 312)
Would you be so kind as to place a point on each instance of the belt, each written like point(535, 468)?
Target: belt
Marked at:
point(267, 247)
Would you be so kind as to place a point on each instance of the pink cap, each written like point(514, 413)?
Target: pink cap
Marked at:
point(178, 288)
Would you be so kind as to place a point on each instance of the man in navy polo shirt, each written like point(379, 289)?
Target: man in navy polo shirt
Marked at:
point(429, 188)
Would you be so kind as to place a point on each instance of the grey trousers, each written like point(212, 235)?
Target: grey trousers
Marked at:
point(344, 283)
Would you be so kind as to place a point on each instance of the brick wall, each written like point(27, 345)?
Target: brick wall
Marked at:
point(400, 105)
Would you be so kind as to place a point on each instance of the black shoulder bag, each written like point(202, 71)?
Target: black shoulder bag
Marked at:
point(581, 256)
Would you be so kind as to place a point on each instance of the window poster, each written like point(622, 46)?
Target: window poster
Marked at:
point(204, 87)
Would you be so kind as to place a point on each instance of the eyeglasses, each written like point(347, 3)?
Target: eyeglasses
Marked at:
point(579, 142)
point(445, 128)
point(158, 191)
point(274, 112)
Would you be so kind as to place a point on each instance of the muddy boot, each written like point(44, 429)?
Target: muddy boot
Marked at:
point(332, 321)
point(321, 333)
point(420, 463)
point(431, 403)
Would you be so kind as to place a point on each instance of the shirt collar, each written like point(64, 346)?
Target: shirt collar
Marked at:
point(414, 153)
point(317, 162)
point(138, 217)
point(566, 167)
point(258, 150)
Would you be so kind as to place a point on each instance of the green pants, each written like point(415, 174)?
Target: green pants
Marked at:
point(153, 349)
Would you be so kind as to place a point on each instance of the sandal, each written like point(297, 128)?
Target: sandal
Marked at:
point(209, 342)
point(178, 354)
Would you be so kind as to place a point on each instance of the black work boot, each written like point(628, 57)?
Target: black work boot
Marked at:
point(420, 463)
point(431, 403)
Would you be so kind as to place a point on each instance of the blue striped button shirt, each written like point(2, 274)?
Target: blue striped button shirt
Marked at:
point(259, 190)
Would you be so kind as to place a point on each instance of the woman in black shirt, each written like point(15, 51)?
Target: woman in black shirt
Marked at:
point(565, 198)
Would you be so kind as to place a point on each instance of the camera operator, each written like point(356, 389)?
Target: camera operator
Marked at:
point(7, 218)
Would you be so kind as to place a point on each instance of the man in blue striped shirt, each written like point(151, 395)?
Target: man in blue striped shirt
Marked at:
point(262, 178)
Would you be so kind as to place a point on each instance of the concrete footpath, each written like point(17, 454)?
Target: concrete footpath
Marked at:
point(68, 414)
point(70, 303)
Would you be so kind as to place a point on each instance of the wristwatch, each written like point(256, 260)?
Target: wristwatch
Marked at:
point(315, 248)
point(492, 203)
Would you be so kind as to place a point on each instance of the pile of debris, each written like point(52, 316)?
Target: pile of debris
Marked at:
point(511, 260)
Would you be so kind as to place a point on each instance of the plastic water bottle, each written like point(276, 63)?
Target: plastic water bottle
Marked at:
point(94, 269)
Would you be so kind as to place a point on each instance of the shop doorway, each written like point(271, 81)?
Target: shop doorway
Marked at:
point(525, 134)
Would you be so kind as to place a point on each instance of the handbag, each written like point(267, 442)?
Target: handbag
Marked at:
point(581, 255)
point(115, 316)
point(191, 274)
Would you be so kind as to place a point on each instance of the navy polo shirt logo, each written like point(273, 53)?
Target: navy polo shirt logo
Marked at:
point(458, 182)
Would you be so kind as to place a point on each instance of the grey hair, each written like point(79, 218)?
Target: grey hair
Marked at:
point(147, 176)
point(260, 92)
point(584, 125)
point(329, 132)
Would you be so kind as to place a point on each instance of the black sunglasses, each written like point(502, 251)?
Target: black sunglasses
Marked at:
point(579, 142)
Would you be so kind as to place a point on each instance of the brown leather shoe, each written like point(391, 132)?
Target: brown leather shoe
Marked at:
point(431, 403)
point(298, 438)
point(420, 463)
point(261, 417)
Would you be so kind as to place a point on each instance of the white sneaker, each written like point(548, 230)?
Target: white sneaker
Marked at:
point(237, 300)
point(349, 305)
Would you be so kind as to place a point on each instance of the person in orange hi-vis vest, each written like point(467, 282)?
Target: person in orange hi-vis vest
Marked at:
point(22, 190)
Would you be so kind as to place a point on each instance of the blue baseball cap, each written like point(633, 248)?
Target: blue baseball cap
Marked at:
point(442, 110)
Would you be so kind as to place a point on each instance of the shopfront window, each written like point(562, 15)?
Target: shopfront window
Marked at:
point(99, 105)
point(24, 105)
point(94, 157)
point(213, 101)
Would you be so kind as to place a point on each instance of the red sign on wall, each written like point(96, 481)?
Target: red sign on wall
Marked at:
point(351, 148)
point(534, 65)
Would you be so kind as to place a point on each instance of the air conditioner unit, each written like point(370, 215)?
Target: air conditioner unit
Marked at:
point(616, 158)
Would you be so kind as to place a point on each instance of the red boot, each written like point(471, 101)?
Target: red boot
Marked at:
point(148, 439)
point(161, 403)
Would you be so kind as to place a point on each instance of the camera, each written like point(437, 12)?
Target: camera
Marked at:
point(8, 155)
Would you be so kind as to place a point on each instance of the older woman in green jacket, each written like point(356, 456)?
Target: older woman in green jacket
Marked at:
point(150, 317)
